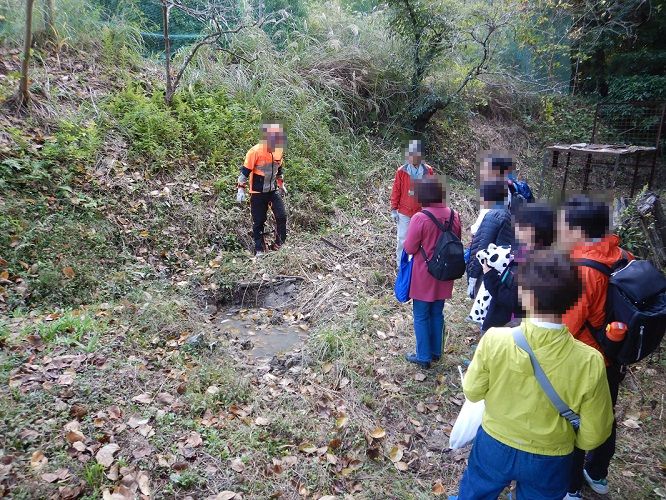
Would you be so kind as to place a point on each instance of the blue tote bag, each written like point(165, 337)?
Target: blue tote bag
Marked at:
point(404, 278)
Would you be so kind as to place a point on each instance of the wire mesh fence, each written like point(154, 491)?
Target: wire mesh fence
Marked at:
point(624, 152)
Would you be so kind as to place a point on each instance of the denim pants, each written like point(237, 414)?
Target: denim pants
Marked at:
point(493, 465)
point(428, 328)
point(596, 462)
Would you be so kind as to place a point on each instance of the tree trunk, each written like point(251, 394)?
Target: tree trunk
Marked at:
point(24, 85)
point(49, 19)
point(168, 96)
point(573, 69)
point(600, 73)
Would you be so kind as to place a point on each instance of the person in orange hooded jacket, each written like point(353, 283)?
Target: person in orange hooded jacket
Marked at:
point(403, 202)
point(583, 228)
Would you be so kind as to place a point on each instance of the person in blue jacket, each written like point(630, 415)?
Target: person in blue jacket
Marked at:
point(496, 227)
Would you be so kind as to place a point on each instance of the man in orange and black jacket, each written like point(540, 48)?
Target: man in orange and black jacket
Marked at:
point(583, 228)
point(262, 169)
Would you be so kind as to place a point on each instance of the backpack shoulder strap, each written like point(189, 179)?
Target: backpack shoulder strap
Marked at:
point(449, 224)
point(563, 409)
point(439, 225)
point(602, 268)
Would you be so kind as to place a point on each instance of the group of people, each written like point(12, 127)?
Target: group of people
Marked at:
point(521, 269)
point(554, 302)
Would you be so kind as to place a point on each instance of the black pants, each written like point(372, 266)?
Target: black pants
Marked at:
point(597, 461)
point(259, 203)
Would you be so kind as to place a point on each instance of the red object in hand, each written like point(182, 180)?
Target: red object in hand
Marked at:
point(616, 331)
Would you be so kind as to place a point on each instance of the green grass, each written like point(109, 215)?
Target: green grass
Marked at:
point(72, 329)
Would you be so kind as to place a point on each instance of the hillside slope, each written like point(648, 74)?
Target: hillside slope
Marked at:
point(142, 346)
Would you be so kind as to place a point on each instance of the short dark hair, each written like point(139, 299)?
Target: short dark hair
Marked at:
point(541, 217)
point(494, 190)
point(429, 190)
point(501, 164)
point(553, 279)
point(591, 216)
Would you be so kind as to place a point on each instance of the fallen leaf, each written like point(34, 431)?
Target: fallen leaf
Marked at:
point(135, 422)
point(438, 489)
point(120, 492)
point(165, 398)
point(143, 481)
point(419, 376)
point(78, 411)
point(142, 452)
point(631, 423)
point(58, 475)
point(377, 433)
point(223, 495)
point(395, 455)
point(145, 430)
point(68, 272)
point(105, 454)
point(79, 446)
point(237, 465)
point(212, 390)
point(401, 466)
point(115, 412)
point(38, 460)
point(261, 421)
point(326, 367)
point(307, 448)
point(194, 440)
point(341, 421)
point(74, 436)
point(71, 492)
point(142, 398)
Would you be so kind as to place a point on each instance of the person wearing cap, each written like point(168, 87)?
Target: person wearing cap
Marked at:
point(403, 202)
point(262, 172)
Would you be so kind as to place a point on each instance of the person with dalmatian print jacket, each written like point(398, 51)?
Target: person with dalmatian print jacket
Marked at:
point(534, 228)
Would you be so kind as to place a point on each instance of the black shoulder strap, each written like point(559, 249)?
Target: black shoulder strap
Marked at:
point(602, 268)
point(441, 226)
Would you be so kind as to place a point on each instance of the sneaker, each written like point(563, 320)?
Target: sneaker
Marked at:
point(574, 495)
point(413, 359)
point(259, 254)
point(598, 486)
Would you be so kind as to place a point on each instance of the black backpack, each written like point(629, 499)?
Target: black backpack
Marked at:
point(448, 259)
point(636, 296)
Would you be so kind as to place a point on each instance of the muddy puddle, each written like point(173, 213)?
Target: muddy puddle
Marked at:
point(262, 333)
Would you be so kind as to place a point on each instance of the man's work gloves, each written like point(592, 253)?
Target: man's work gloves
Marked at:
point(394, 215)
point(241, 196)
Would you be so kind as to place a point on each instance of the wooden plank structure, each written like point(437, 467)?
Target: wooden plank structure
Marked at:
point(640, 123)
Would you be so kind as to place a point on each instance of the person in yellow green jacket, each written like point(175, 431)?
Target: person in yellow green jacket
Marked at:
point(522, 436)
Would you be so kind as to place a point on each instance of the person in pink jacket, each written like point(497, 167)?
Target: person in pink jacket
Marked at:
point(427, 293)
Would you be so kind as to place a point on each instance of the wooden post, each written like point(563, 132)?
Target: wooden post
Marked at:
point(24, 85)
point(167, 52)
point(653, 223)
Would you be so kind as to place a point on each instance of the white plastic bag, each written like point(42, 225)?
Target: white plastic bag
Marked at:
point(468, 422)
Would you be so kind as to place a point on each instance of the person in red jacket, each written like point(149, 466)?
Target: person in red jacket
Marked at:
point(583, 229)
point(403, 202)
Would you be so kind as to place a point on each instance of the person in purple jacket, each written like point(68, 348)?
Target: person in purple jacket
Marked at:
point(427, 293)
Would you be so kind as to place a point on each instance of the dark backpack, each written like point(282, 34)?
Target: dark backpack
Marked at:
point(448, 259)
point(636, 296)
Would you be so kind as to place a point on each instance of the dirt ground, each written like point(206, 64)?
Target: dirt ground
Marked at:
point(297, 390)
